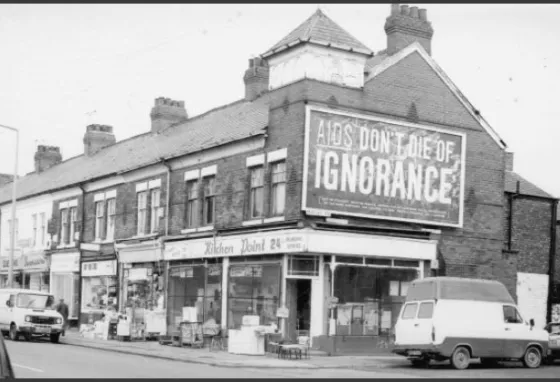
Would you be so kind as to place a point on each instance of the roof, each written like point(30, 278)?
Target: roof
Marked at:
point(228, 123)
point(320, 29)
point(525, 187)
point(457, 288)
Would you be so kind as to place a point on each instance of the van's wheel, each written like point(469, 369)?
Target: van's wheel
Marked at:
point(532, 358)
point(13, 332)
point(420, 362)
point(461, 358)
point(27, 336)
point(55, 338)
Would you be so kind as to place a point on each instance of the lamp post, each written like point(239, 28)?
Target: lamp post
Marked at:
point(13, 228)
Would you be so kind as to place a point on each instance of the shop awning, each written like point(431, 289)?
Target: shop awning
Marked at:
point(141, 253)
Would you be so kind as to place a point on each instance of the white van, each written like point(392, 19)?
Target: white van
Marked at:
point(29, 313)
point(459, 319)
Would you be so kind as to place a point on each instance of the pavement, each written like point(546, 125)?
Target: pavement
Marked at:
point(226, 360)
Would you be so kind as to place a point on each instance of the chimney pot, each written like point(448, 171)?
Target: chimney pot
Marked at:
point(395, 9)
point(46, 157)
point(509, 161)
point(423, 14)
point(414, 12)
point(256, 78)
point(404, 10)
point(97, 137)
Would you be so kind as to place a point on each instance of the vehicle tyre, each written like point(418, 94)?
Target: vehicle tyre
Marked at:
point(489, 362)
point(55, 338)
point(532, 358)
point(420, 362)
point(27, 336)
point(461, 357)
point(13, 332)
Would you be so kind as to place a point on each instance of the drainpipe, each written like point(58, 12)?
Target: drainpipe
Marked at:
point(168, 195)
point(552, 259)
point(80, 240)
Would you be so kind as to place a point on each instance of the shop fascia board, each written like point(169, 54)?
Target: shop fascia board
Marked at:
point(197, 159)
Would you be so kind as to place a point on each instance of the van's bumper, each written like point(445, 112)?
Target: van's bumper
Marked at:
point(419, 351)
point(35, 331)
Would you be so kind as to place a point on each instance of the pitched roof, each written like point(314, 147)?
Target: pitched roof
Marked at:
point(320, 29)
point(229, 123)
point(525, 187)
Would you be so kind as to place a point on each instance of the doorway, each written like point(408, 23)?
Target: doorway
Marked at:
point(299, 303)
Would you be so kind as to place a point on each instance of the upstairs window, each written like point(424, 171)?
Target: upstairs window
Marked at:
point(209, 199)
point(64, 226)
point(73, 221)
point(155, 197)
point(278, 188)
point(34, 219)
point(257, 192)
point(111, 217)
point(142, 212)
point(43, 227)
point(99, 220)
point(191, 210)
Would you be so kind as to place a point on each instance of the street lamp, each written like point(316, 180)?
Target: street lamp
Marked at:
point(13, 228)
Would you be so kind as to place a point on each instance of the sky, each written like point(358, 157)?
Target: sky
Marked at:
point(64, 67)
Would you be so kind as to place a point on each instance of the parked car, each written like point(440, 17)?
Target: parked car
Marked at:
point(29, 313)
point(553, 330)
point(457, 319)
point(6, 369)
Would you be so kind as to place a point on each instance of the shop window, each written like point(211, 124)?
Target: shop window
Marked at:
point(111, 218)
point(155, 198)
point(257, 192)
point(99, 219)
point(209, 199)
point(191, 207)
point(34, 219)
point(350, 259)
point(409, 311)
point(426, 310)
point(278, 188)
point(303, 265)
point(406, 263)
point(64, 226)
point(99, 292)
point(381, 262)
point(370, 298)
point(142, 198)
point(43, 227)
point(254, 289)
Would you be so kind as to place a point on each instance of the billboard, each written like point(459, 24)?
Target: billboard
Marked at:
point(358, 165)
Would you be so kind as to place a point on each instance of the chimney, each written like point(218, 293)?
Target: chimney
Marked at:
point(509, 161)
point(256, 78)
point(97, 137)
point(167, 112)
point(46, 157)
point(406, 25)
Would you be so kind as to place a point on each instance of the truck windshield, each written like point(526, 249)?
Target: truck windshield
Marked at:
point(34, 301)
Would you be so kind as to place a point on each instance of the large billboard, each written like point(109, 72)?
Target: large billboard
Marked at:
point(358, 165)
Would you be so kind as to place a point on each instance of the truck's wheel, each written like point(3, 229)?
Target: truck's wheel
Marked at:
point(55, 338)
point(13, 332)
point(532, 358)
point(461, 358)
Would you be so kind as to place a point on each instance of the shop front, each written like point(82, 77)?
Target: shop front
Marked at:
point(65, 281)
point(99, 289)
point(36, 275)
point(142, 287)
point(16, 269)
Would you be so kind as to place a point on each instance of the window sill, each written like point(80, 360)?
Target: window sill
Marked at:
point(274, 219)
point(199, 229)
point(263, 221)
point(106, 241)
point(252, 222)
point(145, 236)
point(64, 246)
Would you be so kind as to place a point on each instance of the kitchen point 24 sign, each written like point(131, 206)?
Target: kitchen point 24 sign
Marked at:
point(370, 167)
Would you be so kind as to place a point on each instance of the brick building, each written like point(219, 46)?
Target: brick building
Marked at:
point(342, 175)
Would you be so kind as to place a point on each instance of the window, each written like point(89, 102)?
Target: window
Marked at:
point(257, 189)
point(209, 198)
point(409, 311)
point(142, 211)
point(43, 228)
point(73, 221)
point(299, 265)
point(191, 207)
point(64, 228)
point(426, 310)
point(99, 219)
point(111, 216)
point(155, 196)
point(34, 218)
point(278, 188)
point(511, 315)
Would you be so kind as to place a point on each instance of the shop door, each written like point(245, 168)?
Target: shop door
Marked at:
point(299, 305)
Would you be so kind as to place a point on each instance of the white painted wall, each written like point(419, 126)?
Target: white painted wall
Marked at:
point(532, 294)
point(317, 302)
point(323, 64)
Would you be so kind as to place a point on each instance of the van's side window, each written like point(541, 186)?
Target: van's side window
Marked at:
point(409, 311)
point(12, 300)
point(426, 310)
point(511, 315)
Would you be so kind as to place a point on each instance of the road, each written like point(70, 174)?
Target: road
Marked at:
point(41, 359)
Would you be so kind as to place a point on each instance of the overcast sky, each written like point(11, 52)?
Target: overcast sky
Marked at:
point(64, 67)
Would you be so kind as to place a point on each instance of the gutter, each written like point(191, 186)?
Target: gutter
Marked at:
point(552, 259)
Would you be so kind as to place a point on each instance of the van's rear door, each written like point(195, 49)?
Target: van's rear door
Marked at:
point(415, 324)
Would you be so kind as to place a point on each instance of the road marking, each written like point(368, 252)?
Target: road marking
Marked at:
point(28, 368)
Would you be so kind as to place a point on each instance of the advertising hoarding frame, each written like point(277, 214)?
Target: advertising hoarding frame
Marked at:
point(309, 108)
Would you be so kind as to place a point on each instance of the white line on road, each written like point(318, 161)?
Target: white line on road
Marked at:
point(28, 368)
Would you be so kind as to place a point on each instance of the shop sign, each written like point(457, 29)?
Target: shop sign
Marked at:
point(35, 262)
point(283, 312)
point(358, 165)
point(138, 274)
point(242, 245)
point(67, 262)
point(99, 268)
point(18, 263)
point(246, 271)
point(214, 270)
